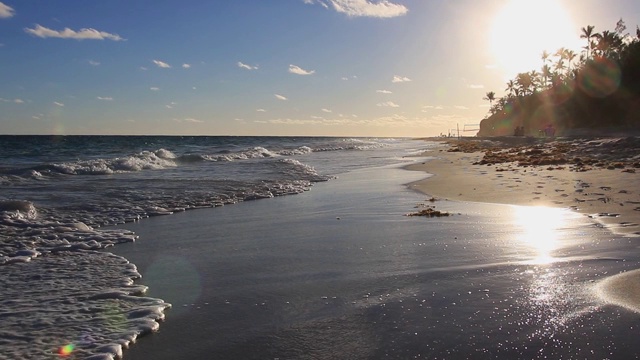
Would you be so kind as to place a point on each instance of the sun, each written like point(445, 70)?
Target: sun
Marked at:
point(523, 29)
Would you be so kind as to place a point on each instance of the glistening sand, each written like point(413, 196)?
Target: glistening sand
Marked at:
point(340, 272)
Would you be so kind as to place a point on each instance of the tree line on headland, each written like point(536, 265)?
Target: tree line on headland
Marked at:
point(573, 93)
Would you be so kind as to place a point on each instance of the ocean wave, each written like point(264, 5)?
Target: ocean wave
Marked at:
point(145, 160)
point(250, 153)
point(298, 170)
point(164, 159)
point(303, 150)
point(18, 209)
point(51, 223)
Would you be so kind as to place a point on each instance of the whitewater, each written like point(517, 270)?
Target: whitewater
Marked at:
point(63, 291)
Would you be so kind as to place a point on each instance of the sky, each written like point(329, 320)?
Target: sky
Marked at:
point(384, 68)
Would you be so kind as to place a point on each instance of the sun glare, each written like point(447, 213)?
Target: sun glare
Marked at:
point(539, 226)
point(523, 29)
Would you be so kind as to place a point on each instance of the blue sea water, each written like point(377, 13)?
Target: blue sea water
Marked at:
point(60, 288)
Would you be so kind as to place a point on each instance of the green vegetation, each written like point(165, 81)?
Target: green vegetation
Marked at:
point(598, 88)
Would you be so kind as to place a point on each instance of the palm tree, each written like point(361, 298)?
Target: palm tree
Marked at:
point(560, 66)
point(500, 106)
point(546, 75)
point(490, 96)
point(535, 80)
point(609, 44)
point(560, 63)
point(525, 82)
point(587, 33)
point(556, 79)
point(512, 88)
point(545, 56)
point(570, 55)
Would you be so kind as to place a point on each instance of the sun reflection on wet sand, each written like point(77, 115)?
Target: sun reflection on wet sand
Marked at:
point(555, 299)
point(540, 226)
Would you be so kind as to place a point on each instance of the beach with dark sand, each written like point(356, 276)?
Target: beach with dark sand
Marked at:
point(342, 272)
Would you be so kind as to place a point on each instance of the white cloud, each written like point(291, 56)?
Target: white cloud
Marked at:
point(327, 110)
point(475, 86)
point(186, 66)
point(94, 63)
point(294, 69)
point(311, 2)
point(491, 66)
point(16, 101)
point(388, 104)
point(245, 66)
point(143, 68)
point(153, 88)
point(82, 34)
point(161, 64)
point(434, 107)
point(261, 110)
point(460, 107)
point(394, 120)
point(58, 103)
point(384, 92)
point(6, 11)
point(280, 97)
point(108, 98)
point(189, 120)
point(368, 8)
point(399, 79)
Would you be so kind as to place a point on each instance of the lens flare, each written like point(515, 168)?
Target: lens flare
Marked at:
point(66, 350)
point(600, 77)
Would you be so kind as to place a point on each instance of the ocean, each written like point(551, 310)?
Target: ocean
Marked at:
point(62, 198)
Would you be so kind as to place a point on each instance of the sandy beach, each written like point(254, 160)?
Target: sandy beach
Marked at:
point(341, 272)
point(596, 177)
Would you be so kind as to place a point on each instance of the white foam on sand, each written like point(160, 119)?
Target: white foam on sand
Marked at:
point(96, 316)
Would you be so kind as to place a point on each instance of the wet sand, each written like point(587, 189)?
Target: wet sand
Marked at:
point(341, 272)
point(596, 177)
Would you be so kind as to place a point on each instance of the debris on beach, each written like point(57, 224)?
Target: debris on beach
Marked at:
point(581, 154)
point(430, 212)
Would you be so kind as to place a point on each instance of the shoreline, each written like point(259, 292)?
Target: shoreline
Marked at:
point(341, 263)
point(609, 196)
